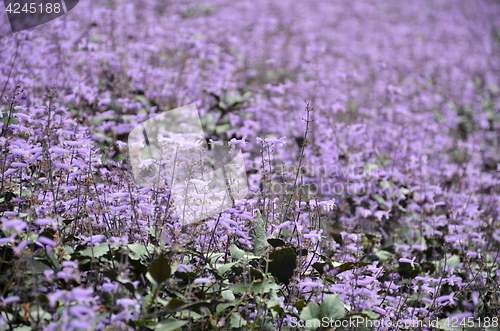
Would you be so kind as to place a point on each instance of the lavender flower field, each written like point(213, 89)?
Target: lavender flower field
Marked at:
point(370, 133)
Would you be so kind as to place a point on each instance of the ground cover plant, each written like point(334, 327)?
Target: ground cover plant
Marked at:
point(370, 132)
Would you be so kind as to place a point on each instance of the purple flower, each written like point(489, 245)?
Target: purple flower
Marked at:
point(74, 143)
point(119, 195)
point(53, 297)
point(475, 297)
point(282, 225)
point(444, 298)
point(83, 295)
point(202, 280)
point(60, 165)
point(119, 208)
point(59, 150)
point(412, 261)
point(19, 165)
point(44, 221)
point(107, 287)
point(95, 239)
point(78, 324)
point(80, 312)
point(9, 239)
point(11, 299)
point(22, 117)
point(18, 224)
point(379, 310)
point(311, 284)
point(18, 151)
point(19, 248)
point(10, 171)
point(46, 241)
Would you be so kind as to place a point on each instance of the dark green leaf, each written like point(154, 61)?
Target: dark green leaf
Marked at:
point(352, 265)
point(407, 271)
point(175, 302)
point(283, 263)
point(160, 269)
point(256, 274)
point(277, 308)
point(300, 304)
point(276, 242)
point(48, 233)
point(319, 267)
point(187, 277)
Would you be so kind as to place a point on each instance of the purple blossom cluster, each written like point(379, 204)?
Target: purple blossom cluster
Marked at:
point(370, 135)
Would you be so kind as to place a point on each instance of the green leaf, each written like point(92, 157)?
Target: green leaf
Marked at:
point(332, 307)
point(223, 268)
point(454, 260)
point(383, 255)
point(276, 307)
point(276, 242)
point(237, 321)
point(143, 100)
point(236, 253)
point(270, 303)
point(188, 313)
point(310, 312)
point(313, 324)
point(299, 304)
point(152, 232)
point(96, 251)
point(196, 305)
point(222, 105)
point(363, 321)
point(256, 274)
point(319, 267)
point(379, 199)
point(283, 263)
point(352, 265)
point(370, 314)
point(128, 285)
point(222, 128)
point(160, 269)
point(170, 325)
point(404, 190)
point(174, 303)
point(187, 277)
point(259, 236)
point(212, 257)
point(137, 251)
point(405, 270)
point(268, 326)
point(223, 306)
point(197, 36)
point(241, 288)
point(228, 295)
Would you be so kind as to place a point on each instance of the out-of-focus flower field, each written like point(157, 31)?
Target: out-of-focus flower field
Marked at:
point(371, 136)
